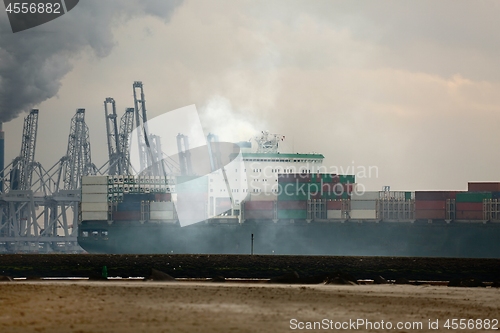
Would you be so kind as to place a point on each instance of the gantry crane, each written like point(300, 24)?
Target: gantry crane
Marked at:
point(150, 153)
point(184, 154)
point(126, 128)
point(114, 153)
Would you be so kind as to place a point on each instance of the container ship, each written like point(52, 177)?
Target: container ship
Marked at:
point(286, 206)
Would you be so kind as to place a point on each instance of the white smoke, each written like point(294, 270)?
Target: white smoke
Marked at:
point(220, 118)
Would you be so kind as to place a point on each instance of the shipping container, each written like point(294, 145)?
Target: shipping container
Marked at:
point(484, 187)
point(127, 216)
point(95, 206)
point(333, 214)
point(362, 214)
point(259, 214)
point(259, 205)
point(128, 206)
point(364, 205)
point(138, 197)
point(292, 205)
point(292, 214)
point(430, 214)
point(161, 215)
point(430, 205)
point(161, 206)
point(299, 196)
point(473, 196)
point(163, 197)
point(95, 189)
point(347, 179)
point(435, 195)
point(88, 216)
point(333, 188)
point(94, 180)
point(92, 197)
point(495, 195)
point(469, 215)
point(408, 196)
point(365, 196)
point(469, 206)
point(334, 205)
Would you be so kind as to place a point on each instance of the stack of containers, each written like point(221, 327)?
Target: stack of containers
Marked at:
point(492, 209)
point(292, 209)
point(469, 205)
point(94, 204)
point(484, 187)
point(259, 210)
point(161, 210)
point(431, 205)
point(293, 193)
point(364, 205)
point(295, 189)
point(334, 209)
point(130, 207)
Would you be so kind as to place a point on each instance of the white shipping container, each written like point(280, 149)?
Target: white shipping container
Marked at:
point(86, 216)
point(94, 180)
point(163, 215)
point(94, 207)
point(365, 196)
point(363, 214)
point(99, 189)
point(333, 214)
point(161, 206)
point(364, 205)
point(94, 197)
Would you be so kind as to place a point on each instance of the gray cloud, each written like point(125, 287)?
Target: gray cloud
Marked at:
point(33, 62)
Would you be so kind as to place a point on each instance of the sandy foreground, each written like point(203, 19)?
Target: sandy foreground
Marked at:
point(137, 306)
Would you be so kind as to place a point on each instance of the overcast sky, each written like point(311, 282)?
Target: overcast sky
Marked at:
point(411, 87)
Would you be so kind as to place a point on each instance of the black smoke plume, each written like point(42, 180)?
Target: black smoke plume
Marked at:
point(33, 62)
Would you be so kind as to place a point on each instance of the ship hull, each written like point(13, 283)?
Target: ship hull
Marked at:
point(417, 239)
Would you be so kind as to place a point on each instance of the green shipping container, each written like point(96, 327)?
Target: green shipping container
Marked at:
point(292, 214)
point(473, 196)
point(407, 196)
point(347, 179)
point(292, 191)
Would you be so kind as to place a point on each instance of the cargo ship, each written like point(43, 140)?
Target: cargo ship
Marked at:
point(286, 206)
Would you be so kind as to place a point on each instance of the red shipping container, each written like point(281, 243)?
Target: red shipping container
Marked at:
point(259, 205)
point(484, 187)
point(425, 205)
point(435, 195)
point(127, 215)
point(163, 197)
point(334, 205)
point(430, 214)
point(286, 205)
point(469, 206)
point(259, 215)
point(336, 188)
point(469, 215)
